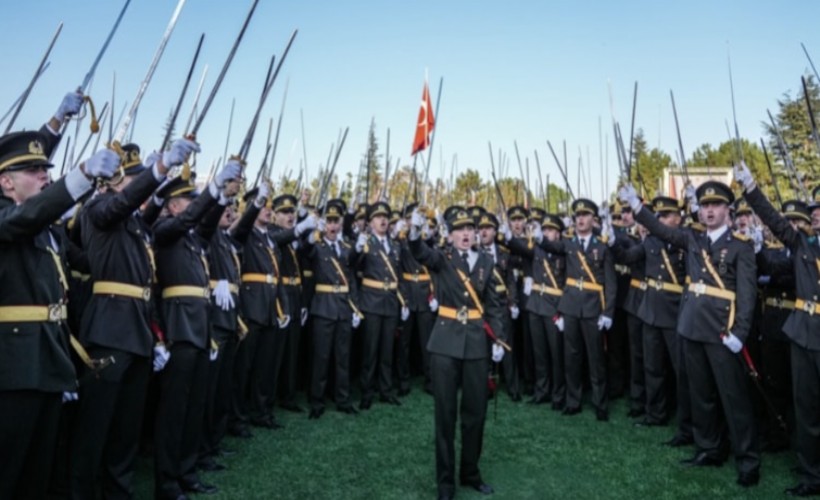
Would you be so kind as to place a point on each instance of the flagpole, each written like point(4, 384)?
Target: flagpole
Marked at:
point(432, 138)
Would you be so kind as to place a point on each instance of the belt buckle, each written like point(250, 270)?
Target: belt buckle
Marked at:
point(269, 279)
point(580, 284)
point(55, 312)
point(416, 277)
point(146, 294)
point(462, 315)
point(337, 288)
point(810, 307)
point(386, 286)
point(643, 286)
point(206, 293)
point(658, 285)
point(699, 289)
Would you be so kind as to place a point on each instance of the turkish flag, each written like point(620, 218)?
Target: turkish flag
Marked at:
point(425, 123)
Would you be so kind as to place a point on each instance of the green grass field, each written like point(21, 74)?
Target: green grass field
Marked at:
point(529, 452)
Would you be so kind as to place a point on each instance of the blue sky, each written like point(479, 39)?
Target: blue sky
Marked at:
point(521, 70)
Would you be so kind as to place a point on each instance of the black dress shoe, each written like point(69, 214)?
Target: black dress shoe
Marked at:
point(702, 459)
point(481, 487)
point(210, 465)
point(803, 490)
point(240, 432)
point(748, 479)
point(225, 452)
point(677, 441)
point(366, 404)
point(267, 423)
point(538, 401)
point(403, 392)
point(315, 413)
point(515, 397)
point(390, 400)
point(349, 410)
point(648, 422)
point(635, 413)
point(602, 415)
point(292, 407)
point(556, 406)
point(571, 411)
point(200, 487)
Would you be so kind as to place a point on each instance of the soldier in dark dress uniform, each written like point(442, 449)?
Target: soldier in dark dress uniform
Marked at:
point(333, 310)
point(285, 234)
point(517, 217)
point(801, 327)
point(467, 294)
point(586, 306)
point(36, 372)
point(715, 319)
point(377, 257)
point(181, 238)
point(544, 288)
point(117, 323)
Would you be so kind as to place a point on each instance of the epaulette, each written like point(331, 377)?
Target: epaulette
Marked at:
point(741, 236)
point(503, 249)
point(603, 239)
point(773, 245)
point(345, 244)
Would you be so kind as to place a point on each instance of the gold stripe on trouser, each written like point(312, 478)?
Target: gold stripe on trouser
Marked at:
point(780, 303)
point(809, 307)
point(663, 285)
point(232, 287)
point(464, 314)
point(381, 285)
point(122, 289)
point(543, 288)
point(199, 292)
point(260, 278)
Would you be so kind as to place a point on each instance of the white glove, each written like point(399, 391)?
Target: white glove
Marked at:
point(405, 313)
point(433, 304)
point(604, 322)
point(284, 322)
point(514, 312)
point(321, 225)
point(609, 232)
point(304, 315)
point(733, 343)
point(528, 281)
point(104, 163)
point(504, 230)
point(417, 220)
point(400, 226)
point(232, 170)
point(498, 353)
point(559, 323)
point(262, 195)
point(179, 152)
point(151, 159)
point(538, 235)
point(361, 241)
point(213, 354)
point(603, 212)
point(744, 177)
point(308, 224)
point(70, 396)
point(757, 239)
point(764, 280)
point(222, 295)
point(161, 357)
point(692, 197)
point(71, 104)
point(357, 320)
point(628, 195)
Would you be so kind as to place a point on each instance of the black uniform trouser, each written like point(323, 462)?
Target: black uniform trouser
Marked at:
point(556, 347)
point(617, 353)
point(582, 335)
point(470, 375)
point(266, 368)
point(524, 358)
point(422, 322)
point(377, 351)
point(240, 380)
point(660, 356)
point(718, 377)
point(183, 384)
point(290, 358)
point(542, 357)
point(806, 385)
point(508, 364)
point(105, 438)
point(330, 336)
point(637, 377)
point(218, 398)
point(776, 371)
point(28, 435)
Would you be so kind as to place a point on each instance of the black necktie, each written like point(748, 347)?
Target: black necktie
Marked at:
point(337, 249)
point(464, 258)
